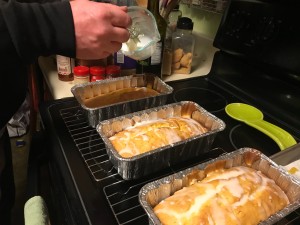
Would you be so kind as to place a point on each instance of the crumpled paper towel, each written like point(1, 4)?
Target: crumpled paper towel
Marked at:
point(36, 212)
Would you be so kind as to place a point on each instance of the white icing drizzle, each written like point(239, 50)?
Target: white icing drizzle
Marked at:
point(164, 134)
point(214, 184)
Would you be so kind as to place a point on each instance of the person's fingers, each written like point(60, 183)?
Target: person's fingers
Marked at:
point(119, 35)
point(115, 46)
point(120, 18)
point(100, 28)
point(105, 54)
point(124, 8)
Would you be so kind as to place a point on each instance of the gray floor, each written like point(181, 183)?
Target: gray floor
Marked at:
point(20, 158)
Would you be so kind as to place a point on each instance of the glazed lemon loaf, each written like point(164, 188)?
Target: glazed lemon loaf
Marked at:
point(239, 195)
point(151, 135)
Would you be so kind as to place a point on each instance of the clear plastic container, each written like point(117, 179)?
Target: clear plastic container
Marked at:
point(174, 15)
point(144, 34)
point(183, 43)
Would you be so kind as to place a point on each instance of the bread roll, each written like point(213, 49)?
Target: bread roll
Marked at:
point(151, 135)
point(239, 195)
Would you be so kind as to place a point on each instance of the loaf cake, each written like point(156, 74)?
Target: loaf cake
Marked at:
point(121, 95)
point(238, 195)
point(150, 135)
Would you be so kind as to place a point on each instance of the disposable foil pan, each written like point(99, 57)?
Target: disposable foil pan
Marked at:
point(288, 156)
point(155, 160)
point(154, 192)
point(92, 89)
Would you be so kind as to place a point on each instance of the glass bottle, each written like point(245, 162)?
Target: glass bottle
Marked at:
point(173, 17)
point(183, 43)
point(127, 64)
point(153, 64)
point(65, 67)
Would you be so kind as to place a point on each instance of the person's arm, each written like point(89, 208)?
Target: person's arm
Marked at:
point(37, 29)
point(86, 30)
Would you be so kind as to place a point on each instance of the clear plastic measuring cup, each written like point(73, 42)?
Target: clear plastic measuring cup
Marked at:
point(143, 34)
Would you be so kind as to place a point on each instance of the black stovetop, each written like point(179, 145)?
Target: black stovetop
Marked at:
point(231, 80)
point(93, 191)
point(258, 64)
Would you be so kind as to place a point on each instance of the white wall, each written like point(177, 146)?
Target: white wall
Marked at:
point(205, 23)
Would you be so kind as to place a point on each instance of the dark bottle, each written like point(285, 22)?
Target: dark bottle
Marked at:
point(154, 63)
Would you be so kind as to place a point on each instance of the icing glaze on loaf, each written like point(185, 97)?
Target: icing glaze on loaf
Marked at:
point(147, 136)
point(239, 195)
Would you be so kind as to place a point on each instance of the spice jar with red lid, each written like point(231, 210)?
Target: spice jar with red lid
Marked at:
point(97, 73)
point(81, 74)
point(113, 71)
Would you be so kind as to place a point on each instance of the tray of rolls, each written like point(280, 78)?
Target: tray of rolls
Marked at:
point(150, 140)
point(114, 97)
point(241, 187)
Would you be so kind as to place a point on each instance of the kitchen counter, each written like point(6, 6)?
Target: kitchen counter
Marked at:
point(204, 52)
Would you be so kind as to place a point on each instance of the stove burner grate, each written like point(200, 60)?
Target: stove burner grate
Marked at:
point(122, 196)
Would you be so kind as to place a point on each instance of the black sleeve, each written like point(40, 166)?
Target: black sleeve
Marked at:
point(36, 29)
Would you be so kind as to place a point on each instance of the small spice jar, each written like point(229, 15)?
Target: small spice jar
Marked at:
point(97, 73)
point(81, 74)
point(113, 71)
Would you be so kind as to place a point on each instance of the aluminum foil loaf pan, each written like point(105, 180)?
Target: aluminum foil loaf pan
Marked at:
point(163, 157)
point(154, 192)
point(88, 92)
point(289, 159)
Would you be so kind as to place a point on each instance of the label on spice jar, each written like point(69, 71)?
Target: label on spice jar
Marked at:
point(81, 80)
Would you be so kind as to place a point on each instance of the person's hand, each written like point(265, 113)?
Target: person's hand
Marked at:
point(100, 28)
